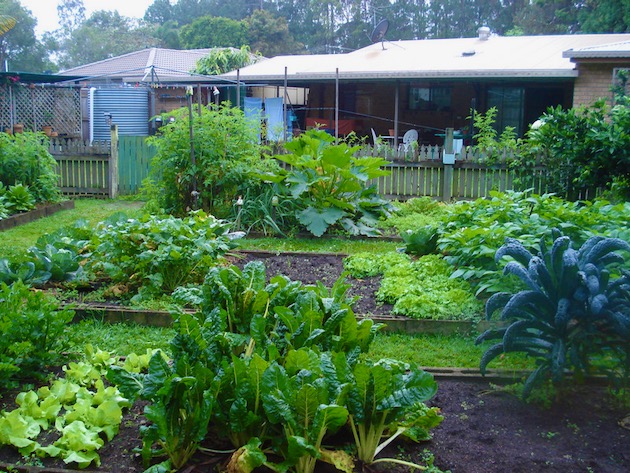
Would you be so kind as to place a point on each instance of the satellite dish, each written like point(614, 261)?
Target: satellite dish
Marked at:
point(379, 32)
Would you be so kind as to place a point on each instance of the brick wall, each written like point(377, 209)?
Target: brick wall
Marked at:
point(593, 83)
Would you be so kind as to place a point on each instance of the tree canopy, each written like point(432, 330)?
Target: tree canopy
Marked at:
point(274, 27)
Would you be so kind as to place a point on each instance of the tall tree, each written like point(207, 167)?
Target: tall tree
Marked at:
point(159, 12)
point(211, 32)
point(270, 35)
point(548, 17)
point(104, 35)
point(19, 46)
point(71, 15)
point(605, 16)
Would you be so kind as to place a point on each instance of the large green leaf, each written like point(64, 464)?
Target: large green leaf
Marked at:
point(318, 220)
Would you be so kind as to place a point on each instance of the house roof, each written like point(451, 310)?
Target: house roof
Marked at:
point(147, 65)
point(461, 58)
point(605, 51)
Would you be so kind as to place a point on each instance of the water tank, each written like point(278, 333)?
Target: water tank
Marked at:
point(128, 108)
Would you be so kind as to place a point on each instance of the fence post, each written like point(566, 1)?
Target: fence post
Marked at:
point(113, 163)
point(448, 160)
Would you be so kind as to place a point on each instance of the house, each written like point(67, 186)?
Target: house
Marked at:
point(130, 89)
point(430, 85)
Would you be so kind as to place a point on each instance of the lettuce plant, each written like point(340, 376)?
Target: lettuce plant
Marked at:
point(576, 303)
point(330, 185)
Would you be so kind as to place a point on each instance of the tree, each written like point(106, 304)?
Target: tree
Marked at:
point(211, 32)
point(270, 35)
point(222, 60)
point(605, 16)
point(71, 15)
point(548, 17)
point(104, 35)
point(19, 45)
point(159, 12)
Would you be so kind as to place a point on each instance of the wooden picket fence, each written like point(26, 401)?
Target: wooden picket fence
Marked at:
point(84, 170)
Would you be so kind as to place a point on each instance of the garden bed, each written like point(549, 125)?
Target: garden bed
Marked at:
point(42, 210)
point(486, 429)
point(308, 268)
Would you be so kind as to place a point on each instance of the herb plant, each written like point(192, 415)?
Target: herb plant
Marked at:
point(575, 307)
point(331, 185)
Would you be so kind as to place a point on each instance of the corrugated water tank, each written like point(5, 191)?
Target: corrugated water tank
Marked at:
point(128, 108)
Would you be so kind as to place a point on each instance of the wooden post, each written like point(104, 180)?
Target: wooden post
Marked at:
point(113, 162)
point(448, 159)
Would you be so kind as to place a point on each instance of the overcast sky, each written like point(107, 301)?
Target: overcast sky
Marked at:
point(45, 11)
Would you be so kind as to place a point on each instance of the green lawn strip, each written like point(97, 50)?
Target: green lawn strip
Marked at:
point(433, 350)
point(120, 339)
point(442, 351)
point(320, 245)
point(16, 241)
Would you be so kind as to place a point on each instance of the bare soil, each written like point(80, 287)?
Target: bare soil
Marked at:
point(485, 429)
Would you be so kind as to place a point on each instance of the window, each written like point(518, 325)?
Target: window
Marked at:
point(510, 104)
point(429, 98)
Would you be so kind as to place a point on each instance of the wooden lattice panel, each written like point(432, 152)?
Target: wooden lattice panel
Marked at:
point(38, 106)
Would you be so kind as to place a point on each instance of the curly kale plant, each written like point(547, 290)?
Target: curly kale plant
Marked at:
point(330, 185)
point(577, 306)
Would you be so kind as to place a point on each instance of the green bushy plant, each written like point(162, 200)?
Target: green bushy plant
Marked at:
point(420, 242)
point(576, 306)
point(475, 230)
point(269, 366)
point(32, 327)
point(226, 155)
point(153, 255)
point(24, 158)
point(584, 148)
point(19, 198)
point(330, 185)
point(415, 213)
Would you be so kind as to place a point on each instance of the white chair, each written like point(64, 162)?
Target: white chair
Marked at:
point(410, 137)
point(374, 137)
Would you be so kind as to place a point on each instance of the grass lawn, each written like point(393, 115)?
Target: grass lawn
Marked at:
point(16, 241)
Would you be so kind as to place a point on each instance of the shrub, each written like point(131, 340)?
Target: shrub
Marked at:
point(575, 308)
point(24, 159)
point(584, 148)
point(226, 154)
point(32, 328)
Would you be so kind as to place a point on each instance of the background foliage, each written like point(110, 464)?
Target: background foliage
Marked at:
point(275, 27)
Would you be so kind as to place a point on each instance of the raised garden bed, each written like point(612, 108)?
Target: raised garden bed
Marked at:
point(41, 211)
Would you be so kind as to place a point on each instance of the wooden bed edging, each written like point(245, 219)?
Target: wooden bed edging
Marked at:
point(40, 212)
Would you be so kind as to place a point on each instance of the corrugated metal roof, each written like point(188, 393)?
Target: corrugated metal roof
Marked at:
point(612, 50)
point(497, 57)
point(171, 63)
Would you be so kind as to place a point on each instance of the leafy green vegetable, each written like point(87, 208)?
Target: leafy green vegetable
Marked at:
point(574, 307)
point(32, 327)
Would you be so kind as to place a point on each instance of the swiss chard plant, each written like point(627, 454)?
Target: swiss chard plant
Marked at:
point(181, 404)
point(331, 185)
point(576, 303)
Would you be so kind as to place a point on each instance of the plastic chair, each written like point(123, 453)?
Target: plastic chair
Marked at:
point(409, 138)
